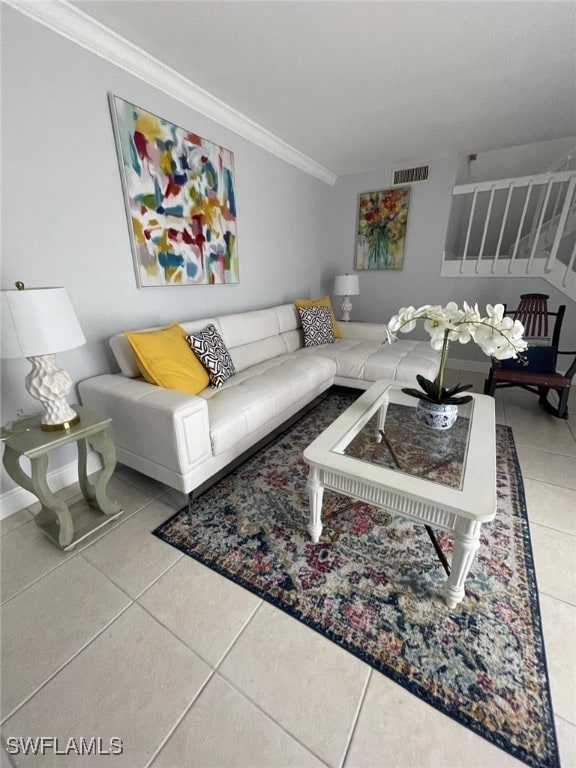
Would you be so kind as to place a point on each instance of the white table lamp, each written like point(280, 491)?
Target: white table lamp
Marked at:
point(36, 324)
point(346, 285)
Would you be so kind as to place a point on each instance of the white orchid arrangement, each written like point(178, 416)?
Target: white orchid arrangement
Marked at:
point(498, 336)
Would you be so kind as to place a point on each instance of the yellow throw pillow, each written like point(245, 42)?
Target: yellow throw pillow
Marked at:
point(165, 359)
point(323, 301)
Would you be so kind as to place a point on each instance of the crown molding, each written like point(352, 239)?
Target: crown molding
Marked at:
point(75, 25)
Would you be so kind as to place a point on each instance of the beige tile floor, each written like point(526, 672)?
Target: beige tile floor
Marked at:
point(128, 638)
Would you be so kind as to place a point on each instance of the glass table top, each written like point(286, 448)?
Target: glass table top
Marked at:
point(389, 436)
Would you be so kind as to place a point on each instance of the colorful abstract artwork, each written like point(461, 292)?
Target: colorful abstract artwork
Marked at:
point(180, 200)
point(382, 221)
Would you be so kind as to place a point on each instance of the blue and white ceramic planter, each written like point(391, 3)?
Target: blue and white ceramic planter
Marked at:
point(436, 415)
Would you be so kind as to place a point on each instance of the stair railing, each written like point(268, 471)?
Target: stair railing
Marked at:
point(548, 179)
point(569, 204)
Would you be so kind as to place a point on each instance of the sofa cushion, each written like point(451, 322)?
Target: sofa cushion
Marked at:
point(403, 361)
point(164, 359)
point(323, 301)
point(252, 337)
point(317, 326)
point(210, 349)
point(250, 399)
point(370, 360)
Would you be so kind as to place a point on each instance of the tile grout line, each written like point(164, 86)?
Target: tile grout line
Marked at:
point(269, 717)
point(551, 528)
point(171, 631)
point(123, 589)
point(241, 631)
point(132, 602)
point(151, 495)
point(65, 664)
point(19, 511)
point(73, 554)
point(155, 581)
point(82, 547)
point(548, 482)
point(176, 637)
point(213, 669)
point(559, 599)
point(187, 709)
point(118, 523)
point(356, 717)
point(218, 671)
point(565, 720)
point(136, 600)
point(239, 634)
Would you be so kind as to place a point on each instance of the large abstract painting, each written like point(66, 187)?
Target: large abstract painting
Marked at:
point(382, 220)
point(179, 194)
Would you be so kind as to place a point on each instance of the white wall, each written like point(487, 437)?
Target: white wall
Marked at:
point(523, 160)
point(382, 293)
point(63, 218)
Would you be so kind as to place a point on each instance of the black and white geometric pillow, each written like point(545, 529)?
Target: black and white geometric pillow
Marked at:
point(317, 325)
point(209, 348)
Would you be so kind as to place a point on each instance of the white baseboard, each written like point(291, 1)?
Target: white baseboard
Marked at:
point(18, 498)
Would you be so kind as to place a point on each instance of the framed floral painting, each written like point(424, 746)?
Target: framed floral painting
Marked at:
point(179, 194)
point(382, 221)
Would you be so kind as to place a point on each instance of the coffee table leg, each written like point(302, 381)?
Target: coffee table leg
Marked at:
point(466, 543)
point(315, 493)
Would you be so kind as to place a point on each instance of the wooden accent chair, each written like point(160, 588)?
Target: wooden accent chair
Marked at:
point(540, 375)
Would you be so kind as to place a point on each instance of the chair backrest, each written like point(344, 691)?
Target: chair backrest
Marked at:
point(534, 315)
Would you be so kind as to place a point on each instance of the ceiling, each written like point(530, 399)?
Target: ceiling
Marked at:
point(355, 85)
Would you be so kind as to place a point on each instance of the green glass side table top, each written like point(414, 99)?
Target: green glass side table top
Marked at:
point(56, 518)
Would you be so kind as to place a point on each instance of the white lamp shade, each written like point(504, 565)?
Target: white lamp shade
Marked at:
point(346, 285)
point(38, 321)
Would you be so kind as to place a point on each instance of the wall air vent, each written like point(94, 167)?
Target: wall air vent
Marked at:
point(411, 175)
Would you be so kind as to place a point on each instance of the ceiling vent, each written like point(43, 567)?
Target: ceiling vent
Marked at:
point(411, 175)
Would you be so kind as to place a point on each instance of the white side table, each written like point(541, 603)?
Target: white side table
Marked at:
point(25, 438)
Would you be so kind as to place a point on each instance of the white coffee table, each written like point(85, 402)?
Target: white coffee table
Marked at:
point(378, 453)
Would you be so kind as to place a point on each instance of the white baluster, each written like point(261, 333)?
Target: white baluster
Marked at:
point(481, 251)
point(501, 235)
point(463, 260)
point(539, 227)
point(513, 257)
point(561, 223)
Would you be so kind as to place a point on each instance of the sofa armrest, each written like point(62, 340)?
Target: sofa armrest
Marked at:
point(166, 428)
point(372, 331)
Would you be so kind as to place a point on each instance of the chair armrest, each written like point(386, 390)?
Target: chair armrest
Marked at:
point(352, 330)
point(572, 369)
point(164, 427)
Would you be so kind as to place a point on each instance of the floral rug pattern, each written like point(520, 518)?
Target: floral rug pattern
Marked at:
point(373, 585)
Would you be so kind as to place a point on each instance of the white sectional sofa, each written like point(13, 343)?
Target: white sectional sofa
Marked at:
point(185, 440)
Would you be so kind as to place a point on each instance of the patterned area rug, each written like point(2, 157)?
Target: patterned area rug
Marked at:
point(374, 586)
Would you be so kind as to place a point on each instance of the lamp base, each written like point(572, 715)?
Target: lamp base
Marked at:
point(346, 308)
point(58, 427)
point(50, 384)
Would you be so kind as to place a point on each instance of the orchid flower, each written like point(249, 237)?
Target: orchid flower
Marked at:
point(498, 336)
